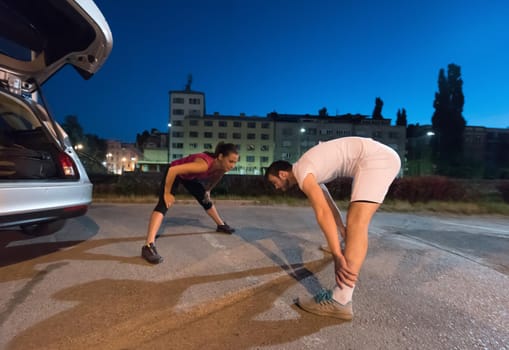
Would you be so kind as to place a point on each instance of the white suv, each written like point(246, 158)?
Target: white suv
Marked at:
point(42, 181)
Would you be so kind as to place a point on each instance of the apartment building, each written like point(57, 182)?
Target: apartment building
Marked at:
point(121, 157)
point(261, 140)
point(295, 134)
point(485, 150)
point(185, 103)
point(254, 137)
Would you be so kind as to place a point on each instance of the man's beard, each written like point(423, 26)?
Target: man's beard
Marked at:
point(286, 185)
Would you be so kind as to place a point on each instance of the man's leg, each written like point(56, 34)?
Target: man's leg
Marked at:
point(358, 219)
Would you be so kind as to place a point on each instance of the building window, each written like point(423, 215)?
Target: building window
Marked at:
point(265, 125)
point(193, 122)
point(264, 148)
point(222, 135)
point(264, 159)
point(193, 133)
point(238, 149)
point(377, 134)
point(193, 145)
point(251, 136)
point(178, 111)
point(177, 145)
point(208, 123)
point(251, 125)
point(250, 159)
point(287, 143)
point(223, 123)
point(207, 146)
point(250, 147)
point(207, 135)
point(177, 123)
point(327, 132)
point(178, 100)
point(286, 155)
point(195, 112)
point(177, 134)
point(194, 101)
point(237, 135)
point(287, 132)
point(264, 136)
point(237, 124)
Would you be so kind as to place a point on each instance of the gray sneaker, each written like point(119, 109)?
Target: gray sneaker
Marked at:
point(324, 305)
point(149, 253)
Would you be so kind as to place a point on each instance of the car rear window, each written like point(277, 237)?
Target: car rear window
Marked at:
point(15, 117)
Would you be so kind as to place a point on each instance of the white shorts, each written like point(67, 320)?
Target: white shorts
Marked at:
point(374, 174)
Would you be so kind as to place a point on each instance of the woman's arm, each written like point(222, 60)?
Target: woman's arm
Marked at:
point(198, 166)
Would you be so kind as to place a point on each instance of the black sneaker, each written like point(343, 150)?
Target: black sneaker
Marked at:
point(225, 229)
point(149, 253)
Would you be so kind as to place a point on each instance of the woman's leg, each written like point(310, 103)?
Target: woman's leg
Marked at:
point(156, 219)
point(214, 215)
point(197, 190)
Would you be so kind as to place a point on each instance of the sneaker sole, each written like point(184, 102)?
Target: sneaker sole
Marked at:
point(228, 233)
point(153, 262)
point(338, 315)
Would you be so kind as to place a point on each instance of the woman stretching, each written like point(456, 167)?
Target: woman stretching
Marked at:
point(198, 173)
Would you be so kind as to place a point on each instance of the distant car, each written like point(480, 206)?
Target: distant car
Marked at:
point(42, 181)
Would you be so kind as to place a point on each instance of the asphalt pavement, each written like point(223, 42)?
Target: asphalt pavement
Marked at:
point(429, 282)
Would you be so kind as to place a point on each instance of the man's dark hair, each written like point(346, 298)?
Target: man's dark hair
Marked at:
point(276, 167)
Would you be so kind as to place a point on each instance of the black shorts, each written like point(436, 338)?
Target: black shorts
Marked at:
point(194, 187)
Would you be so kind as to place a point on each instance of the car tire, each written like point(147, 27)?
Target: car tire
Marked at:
point(43, 229)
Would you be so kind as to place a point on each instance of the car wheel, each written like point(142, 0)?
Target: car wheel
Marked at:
point(43, 229)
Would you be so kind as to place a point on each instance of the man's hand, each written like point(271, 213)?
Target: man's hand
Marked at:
point(344, 275)
point(169, 199)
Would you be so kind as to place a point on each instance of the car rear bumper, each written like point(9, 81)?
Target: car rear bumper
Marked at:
point(34, 202)
point(42, 216)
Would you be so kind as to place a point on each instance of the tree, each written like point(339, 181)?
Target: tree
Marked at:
point(323, 112)
point(94, 148)
point(448, 122)
point(142, 138)
point(401, 117)
point(72, 127)
point(377, 112)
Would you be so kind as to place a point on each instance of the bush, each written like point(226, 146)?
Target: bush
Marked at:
point(426, 188)
point(410, 189)
point(503, 187)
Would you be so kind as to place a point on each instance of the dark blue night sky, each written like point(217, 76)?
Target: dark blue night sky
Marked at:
point(290, 56)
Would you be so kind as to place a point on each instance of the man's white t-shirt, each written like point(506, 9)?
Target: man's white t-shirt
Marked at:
point(331, 159)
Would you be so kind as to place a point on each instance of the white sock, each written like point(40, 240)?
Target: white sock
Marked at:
point(342, 296)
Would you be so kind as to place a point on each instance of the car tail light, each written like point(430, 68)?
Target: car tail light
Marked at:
point(67, 165)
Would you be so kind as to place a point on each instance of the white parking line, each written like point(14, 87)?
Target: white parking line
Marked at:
point(492, 229)
point(213, 241)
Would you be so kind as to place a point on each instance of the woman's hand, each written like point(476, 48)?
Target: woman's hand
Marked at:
point(169, 199)
point(344, 275)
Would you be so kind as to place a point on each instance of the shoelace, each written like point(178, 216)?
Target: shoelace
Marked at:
point(323, 296)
